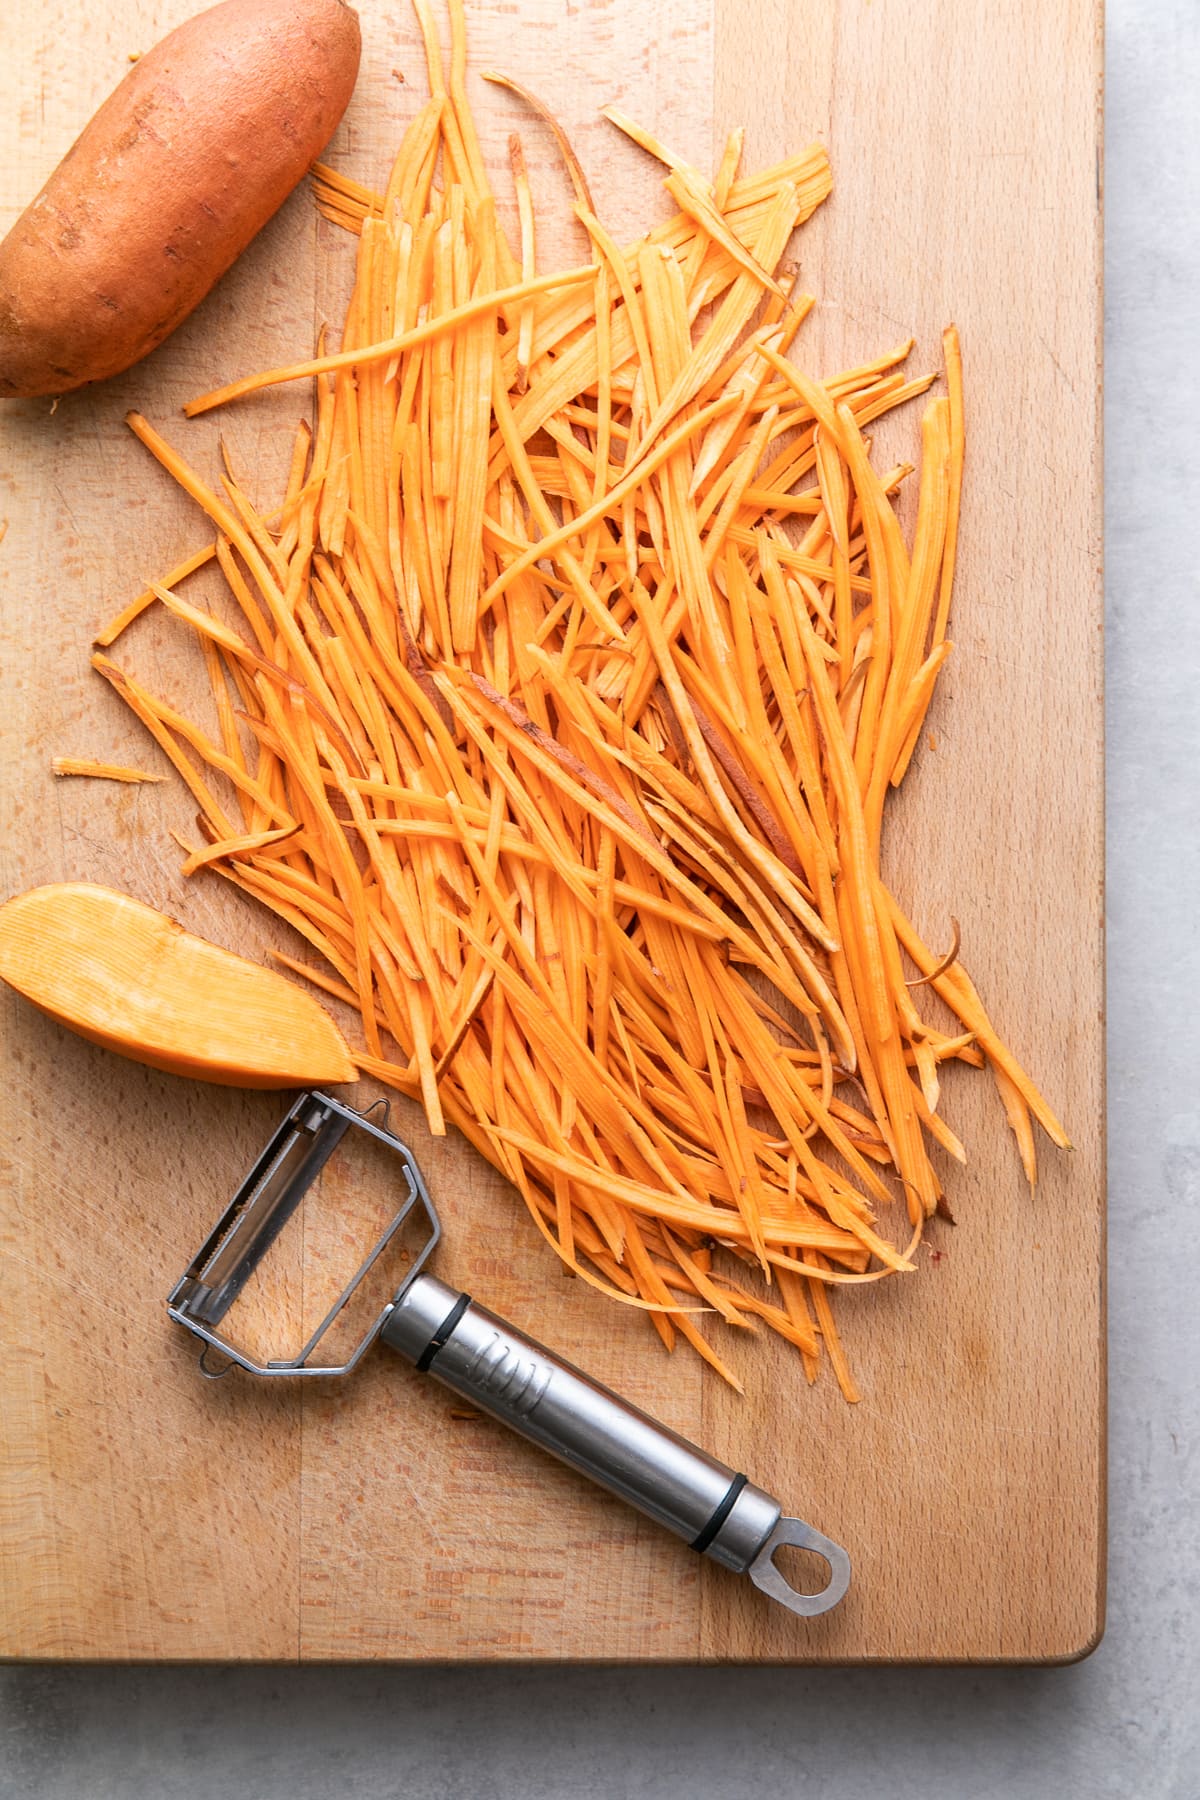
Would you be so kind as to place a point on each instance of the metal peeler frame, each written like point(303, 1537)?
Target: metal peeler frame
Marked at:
point(258, 1212)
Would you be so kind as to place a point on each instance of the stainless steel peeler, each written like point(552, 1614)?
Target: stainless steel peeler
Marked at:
point(445, 1333)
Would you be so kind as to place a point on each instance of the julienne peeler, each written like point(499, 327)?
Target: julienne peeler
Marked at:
point(445, 1333)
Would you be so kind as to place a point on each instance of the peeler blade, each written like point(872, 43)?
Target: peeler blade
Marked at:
point(286, 1260)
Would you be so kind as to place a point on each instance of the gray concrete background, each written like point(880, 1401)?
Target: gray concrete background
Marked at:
point(1125, 1725)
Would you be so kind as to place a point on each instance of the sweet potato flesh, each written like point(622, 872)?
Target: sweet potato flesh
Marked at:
point(129, 978)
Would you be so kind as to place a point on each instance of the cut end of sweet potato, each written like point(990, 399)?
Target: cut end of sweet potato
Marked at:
point(129, 978)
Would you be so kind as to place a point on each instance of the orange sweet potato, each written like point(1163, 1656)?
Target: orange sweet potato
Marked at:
point(202, 141)
point(132, 980)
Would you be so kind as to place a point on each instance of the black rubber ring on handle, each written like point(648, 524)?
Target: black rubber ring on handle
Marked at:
point(443, 1334)
point(700, 1544)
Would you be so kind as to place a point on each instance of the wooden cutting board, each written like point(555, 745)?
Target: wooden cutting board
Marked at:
point(146, 1513)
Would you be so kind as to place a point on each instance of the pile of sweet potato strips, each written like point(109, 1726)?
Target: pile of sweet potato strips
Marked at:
point(564, 696)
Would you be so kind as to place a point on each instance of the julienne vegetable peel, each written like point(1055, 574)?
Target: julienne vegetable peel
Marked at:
point(557, 709)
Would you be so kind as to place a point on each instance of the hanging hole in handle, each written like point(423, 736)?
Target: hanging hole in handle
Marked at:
point(805, 1571)
point(820, 1560)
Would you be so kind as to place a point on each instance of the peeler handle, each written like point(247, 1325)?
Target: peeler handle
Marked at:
point(716, 1510)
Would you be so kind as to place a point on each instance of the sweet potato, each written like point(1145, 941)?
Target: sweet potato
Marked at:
point(132, 980)
point(203, 140)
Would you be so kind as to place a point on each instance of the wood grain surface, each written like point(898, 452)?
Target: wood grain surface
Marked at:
point(147, 1513)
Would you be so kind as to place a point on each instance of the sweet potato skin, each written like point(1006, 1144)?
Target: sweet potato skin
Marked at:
point(189, 157)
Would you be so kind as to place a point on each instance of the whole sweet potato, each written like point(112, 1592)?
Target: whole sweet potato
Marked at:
point(182, 165)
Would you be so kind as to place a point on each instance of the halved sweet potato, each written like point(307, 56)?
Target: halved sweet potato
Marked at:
point(133, 980)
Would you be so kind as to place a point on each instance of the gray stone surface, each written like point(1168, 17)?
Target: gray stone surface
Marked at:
point(1124, 1725)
